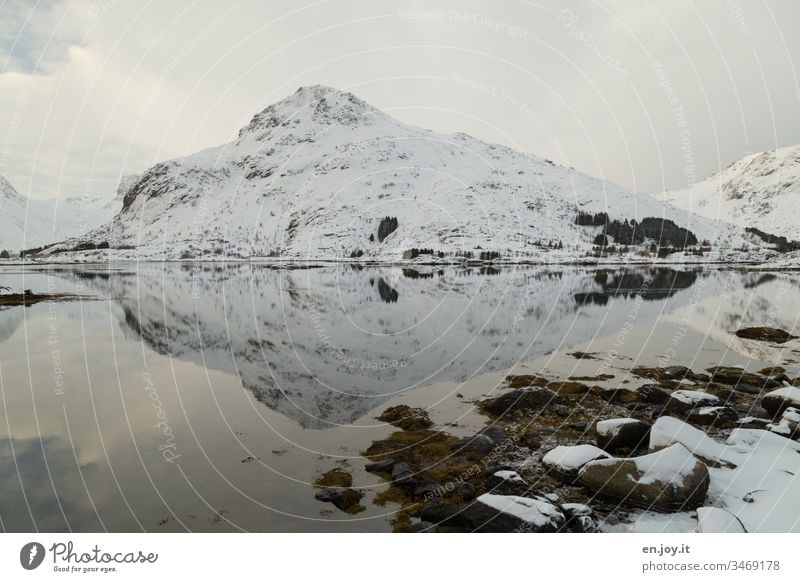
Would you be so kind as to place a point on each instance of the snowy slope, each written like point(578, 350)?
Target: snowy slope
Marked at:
point(27, 223)
point(311, 177)
point(761, 190)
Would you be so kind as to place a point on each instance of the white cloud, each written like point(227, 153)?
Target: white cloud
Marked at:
point(122, 84)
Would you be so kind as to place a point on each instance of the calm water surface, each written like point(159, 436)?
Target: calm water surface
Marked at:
point(208, 397)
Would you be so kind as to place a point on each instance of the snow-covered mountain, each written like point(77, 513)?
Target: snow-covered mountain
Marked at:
point(313, 175)
point(761, 190)
point(28, 223)
point(326, 346)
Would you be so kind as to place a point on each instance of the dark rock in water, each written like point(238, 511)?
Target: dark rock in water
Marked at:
point(671, 479)
point(622, 435)
point(345, 499)
point(733, 376)
point(522, 400)
point(713, 415)
point(653, 394)
point(765, 334)
point(406, 418)
point(782, 377)
point(380, 466)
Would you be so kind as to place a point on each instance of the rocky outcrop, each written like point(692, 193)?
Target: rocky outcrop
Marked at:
point(670, 479)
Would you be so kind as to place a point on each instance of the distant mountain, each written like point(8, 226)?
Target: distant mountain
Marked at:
point(313, 176)
point(28, 223)
point(761, 190)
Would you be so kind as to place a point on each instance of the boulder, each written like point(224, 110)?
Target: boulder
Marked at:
point(682, 401)
point(486, 441)
point(346, 500)
point(732, 376)
point(653, 394)
point(506, 482)
point(622, 435)
point(564, 462)
point(383, 465)
point(789, 424)
point(670, 479)
point(511, 513)
point(777, 401)
point(713, 416)
point(765, 334)
point(531, 400)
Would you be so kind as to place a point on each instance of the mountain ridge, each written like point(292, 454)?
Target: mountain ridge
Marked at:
point(312, 176)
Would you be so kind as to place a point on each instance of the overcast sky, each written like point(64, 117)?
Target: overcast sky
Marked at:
point(651, 95)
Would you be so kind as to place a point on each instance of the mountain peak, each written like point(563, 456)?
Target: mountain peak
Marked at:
point(315, 105)
point(7, 189)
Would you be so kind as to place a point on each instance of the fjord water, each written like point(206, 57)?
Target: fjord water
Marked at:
point(208, 396)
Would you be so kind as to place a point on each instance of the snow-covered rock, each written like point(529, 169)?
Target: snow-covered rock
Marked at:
point(788, 424)
point(312, 177)
point(777, 401)
point(622, 434)
point(753, 475)
point(564, 462)
point(513, 513)
point(683, 400)
point(669, 479)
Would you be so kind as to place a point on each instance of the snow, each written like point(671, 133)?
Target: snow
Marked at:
point(510, 476)
point(788, 393)
point(755, 476)
point(667, 431)
point(694, 397)
point(669, 465)
point(787, 424)
point(611, 426)
point(533, 511)
point(312, 176)
point(572, 458)
point(28, 223)
point(716, 520)
point(759, 190)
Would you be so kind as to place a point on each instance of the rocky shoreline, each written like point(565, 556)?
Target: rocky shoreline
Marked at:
point(719, 446)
